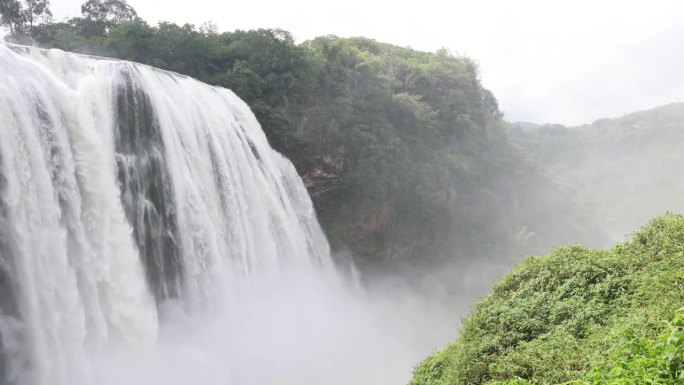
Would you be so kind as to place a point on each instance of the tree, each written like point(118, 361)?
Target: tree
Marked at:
point(101, 15)
point(11, 15)
point(22, 17)
point(36, 10)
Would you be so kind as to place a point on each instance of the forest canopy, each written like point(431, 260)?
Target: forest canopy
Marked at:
point(404, 151)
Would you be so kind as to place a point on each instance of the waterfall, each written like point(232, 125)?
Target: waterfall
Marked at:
point(126, 191)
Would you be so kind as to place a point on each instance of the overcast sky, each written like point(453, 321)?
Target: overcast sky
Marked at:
point(567, 62)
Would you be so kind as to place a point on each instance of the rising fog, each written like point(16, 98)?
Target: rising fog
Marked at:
point(298, 329)
point(624, 169)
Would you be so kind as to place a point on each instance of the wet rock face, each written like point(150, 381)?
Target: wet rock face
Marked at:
point(145, 184)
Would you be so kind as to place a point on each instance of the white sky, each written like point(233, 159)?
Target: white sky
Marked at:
point(567, 62)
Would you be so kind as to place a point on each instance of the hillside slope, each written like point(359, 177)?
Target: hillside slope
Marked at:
point(565, 316)
point(625, 167)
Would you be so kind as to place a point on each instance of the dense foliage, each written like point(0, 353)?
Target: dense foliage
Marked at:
point(409, 147)
point(642, 360)
point(590, 316)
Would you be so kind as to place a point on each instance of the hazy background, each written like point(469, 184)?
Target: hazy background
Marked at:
point(560, 62)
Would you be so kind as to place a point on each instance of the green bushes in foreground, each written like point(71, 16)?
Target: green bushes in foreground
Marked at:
point(647, 361)
point(577, 316)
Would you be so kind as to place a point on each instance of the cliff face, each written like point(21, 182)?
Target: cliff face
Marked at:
point(408, 162)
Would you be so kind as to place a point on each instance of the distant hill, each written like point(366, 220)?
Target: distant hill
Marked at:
point(626, 169)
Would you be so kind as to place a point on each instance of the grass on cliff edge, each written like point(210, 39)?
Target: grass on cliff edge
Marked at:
point(576, 315)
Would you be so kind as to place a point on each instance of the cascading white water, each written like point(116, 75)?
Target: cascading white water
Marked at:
point(149, 235)
point(111, 172)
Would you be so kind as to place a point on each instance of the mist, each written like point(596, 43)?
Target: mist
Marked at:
point(624, 169)
point(296, 329)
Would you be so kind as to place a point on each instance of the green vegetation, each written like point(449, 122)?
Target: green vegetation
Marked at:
point(649, 361)
point(622, 166)
point(21, 18)
point(588, 316)
point(411, 147)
